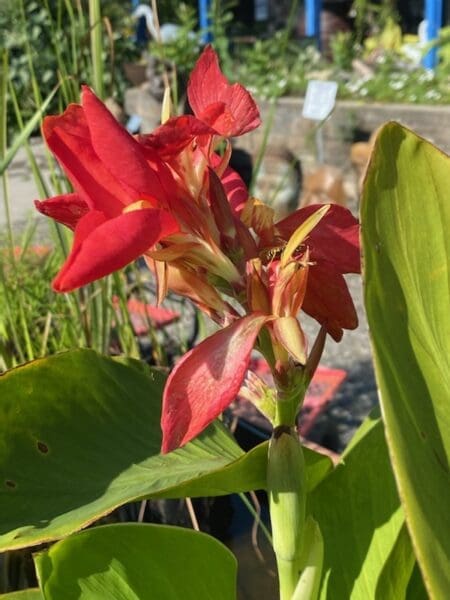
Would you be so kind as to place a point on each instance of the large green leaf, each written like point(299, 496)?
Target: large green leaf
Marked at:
point(81, 436)
point(137, 562)
point(32, 594)
point(360, 517)
point(396, 574)
point(406, 225)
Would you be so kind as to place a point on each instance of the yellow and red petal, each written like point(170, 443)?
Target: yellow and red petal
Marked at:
point(289, 334)
point(334, 239)
point(186, 282)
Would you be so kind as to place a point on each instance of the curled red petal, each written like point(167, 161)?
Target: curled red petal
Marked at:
point(66, 209)
point(328, 300)
point(206, 380)
point(229, 109)
point(176, 133)
point(335, 239)
point(102, 245)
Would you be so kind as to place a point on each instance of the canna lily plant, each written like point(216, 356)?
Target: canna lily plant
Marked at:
point(171, 197)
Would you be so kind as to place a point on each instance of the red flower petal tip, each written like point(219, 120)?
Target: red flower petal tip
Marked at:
point(228, 108)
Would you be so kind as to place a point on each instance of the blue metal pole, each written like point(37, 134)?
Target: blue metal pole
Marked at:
point(312, 18)
point(204, 21)
point(433, 17)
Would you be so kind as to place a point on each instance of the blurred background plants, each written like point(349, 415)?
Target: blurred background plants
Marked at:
point(49, 49)
point(49, 40)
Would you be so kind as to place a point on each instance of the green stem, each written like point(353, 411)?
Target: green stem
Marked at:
point(286, 486)
point(312, 560)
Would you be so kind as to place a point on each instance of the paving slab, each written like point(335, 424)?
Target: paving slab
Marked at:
point(22, 190)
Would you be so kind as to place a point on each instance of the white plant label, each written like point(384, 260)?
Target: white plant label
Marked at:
point(319, 100)
point(261, 10)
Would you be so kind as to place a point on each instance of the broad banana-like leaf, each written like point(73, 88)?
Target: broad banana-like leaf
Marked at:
point(80, 436)
point(405, 219)
point(137, 561)
point(360, 517)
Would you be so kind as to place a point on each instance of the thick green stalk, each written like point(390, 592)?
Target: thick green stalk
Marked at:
point(286, 486)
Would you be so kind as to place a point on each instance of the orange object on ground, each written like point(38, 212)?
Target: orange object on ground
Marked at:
point(141, 313)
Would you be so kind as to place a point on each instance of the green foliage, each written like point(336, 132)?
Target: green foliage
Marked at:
point(360, 517)
point(275, 66)
point(372, 16)
point(343, 49)
point(138, 562)
point(32, 594)
point(390, 83)
point(221, 22)
point(183, 50)
point(91, 411)
point(45, 310)
point(405, 219)
point(49, 40)
point(444, 49)
point(35, 321)
point(103, 413)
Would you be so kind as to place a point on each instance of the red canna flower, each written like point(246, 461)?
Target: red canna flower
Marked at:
point(170, 197)
point(118, 208)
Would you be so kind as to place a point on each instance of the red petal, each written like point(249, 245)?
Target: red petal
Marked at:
point(119, 151)
point(66, 209)
point(102, 246)
point(328, 301)
point(237, 112)
point(68, 137)
point(235, 189)
point(206, 381)
point(176, 133)
point(335, 239)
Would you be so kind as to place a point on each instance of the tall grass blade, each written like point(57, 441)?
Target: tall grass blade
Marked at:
point(21, 138)
point(95, 24)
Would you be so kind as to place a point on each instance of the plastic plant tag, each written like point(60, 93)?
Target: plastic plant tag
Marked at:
point(261, 12)
point(319, 100)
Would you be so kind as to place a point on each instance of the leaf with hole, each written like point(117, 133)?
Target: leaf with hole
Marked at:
point(81, 437)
